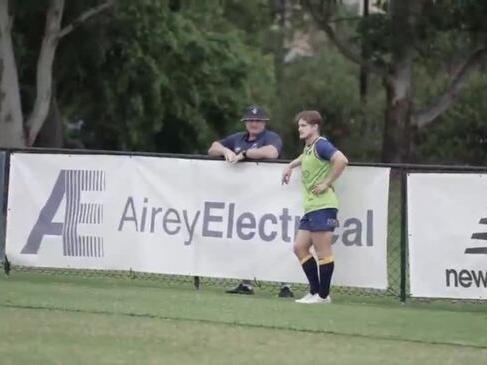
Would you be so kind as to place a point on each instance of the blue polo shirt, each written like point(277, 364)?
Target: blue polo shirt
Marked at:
point(239, 141)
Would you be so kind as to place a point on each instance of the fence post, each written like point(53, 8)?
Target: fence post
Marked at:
point(404, 232)
point(2, 208)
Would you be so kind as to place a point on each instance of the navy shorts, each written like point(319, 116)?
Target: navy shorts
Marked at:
point(319, 220)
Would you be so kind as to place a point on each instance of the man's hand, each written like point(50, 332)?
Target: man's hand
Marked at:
point(238, 158)
point(320, 188)
point(286, 174)
point(229, 155)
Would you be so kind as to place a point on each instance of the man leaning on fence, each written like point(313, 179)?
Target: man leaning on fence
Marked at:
point(256, 143)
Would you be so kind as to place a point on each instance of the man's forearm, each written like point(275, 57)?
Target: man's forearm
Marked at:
point(262, 153)
point(217, 149)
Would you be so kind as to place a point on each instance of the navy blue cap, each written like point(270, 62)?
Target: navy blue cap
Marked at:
point(255, 112)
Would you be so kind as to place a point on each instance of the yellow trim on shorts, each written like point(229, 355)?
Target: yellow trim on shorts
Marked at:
point(326, 260)
point(305, 259)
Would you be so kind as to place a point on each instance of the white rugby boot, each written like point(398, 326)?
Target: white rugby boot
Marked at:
point(306, 299)
point(319, 300)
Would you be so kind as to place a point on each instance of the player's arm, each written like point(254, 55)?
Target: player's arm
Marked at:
point(288, 170)
point(338, 163)
point(295, 163)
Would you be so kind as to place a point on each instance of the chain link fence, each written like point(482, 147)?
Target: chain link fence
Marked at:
point(398, 286)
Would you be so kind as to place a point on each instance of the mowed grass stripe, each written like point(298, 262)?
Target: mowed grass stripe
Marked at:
point(58, 337)
point(243, 324)
point(426, 324)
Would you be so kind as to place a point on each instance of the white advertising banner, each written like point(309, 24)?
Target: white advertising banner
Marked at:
point(447, 224)
point(184, 216)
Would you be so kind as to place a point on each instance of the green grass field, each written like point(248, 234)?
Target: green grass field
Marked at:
point(54, 319)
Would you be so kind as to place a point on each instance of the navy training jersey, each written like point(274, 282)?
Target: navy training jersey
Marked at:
point(324, 148)
point(239, 141)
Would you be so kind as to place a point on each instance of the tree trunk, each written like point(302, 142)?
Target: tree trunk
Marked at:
point(280, 7)
point(364, 75)
point(44, 70)
point(402, 122)
point(398, 82)
point(11, 118)
point(52, 131)
point(12, 133)
point(52, 34)
point(396, 136)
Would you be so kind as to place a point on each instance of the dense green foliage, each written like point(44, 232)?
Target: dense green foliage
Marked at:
point(459, 136)
point(171, 76)
point(152, 78)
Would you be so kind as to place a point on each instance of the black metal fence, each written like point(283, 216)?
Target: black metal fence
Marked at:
point(396, 246)
point(2, 209)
